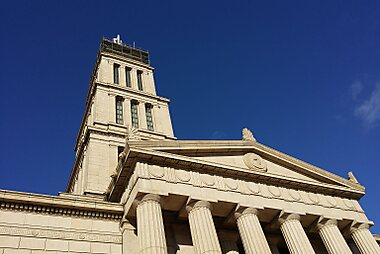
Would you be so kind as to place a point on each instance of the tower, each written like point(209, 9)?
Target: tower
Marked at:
point(121, 103)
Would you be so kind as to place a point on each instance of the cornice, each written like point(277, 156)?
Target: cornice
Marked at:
point(68, 205)
point(132, 91)
point(197, 147)
point(134, 154)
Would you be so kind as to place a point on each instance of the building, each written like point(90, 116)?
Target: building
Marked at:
point(135, 188)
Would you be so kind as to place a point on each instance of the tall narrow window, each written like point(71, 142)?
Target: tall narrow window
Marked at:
point(128, 76)
point(135, 114)
point(116, 68)
point(149, 117)
point(119, 110)
point(139, 80)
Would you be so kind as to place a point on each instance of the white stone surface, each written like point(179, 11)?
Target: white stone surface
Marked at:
point(251, 233)
point(295, 237)
point(364, 240)
point(150, 226)
point(333, 238)
point(202, 228)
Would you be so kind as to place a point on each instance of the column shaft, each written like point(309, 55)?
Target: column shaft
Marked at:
point(365, 241)
point(203, 233)
point(332, 238)
point(150, 226)
point(229, 247)
point(251, 233)
point(295, 236)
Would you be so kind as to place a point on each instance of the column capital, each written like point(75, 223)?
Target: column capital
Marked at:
point(246, 211)
point(283, 217)
point(326, 222)
point(198, 204)
point(151, 197)
point(359, 226)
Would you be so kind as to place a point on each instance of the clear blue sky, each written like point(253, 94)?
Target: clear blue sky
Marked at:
point(302, 75)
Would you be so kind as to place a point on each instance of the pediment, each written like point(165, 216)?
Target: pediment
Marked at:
point(249, 161)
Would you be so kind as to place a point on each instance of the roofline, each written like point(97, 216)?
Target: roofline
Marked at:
point(134, 154)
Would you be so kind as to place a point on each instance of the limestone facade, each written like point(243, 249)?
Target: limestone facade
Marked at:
point(135, 188)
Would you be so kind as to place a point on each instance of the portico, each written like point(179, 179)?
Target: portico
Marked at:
point(219, 197)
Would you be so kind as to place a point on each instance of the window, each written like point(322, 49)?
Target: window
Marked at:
point(149, 117)
point(134, 114)
point(128, 76)
point(116, 73)
point(119, 110)
point(139, 80)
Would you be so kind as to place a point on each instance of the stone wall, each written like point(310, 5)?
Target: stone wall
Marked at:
point(24, 232)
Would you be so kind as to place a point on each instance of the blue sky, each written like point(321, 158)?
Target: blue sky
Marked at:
point(302, 75)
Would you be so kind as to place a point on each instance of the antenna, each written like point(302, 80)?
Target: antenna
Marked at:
point(117, 39)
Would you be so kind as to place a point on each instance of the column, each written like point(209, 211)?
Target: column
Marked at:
point(251, 233)
point(129, 239)
point(228, 242)
point(150, 226)
point(203, 233)
point(294, 234)
point(333, 238)
point(364, 240)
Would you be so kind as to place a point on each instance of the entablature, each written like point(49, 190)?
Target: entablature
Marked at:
point(132, 155)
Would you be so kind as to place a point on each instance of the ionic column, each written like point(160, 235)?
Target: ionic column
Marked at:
point(364, 240)
point(150, 226)
point(294, 234)
point(203, 233)
point(228, 242)
point(251, 233)
point(333, 238)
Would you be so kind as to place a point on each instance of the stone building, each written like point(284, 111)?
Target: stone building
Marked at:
point(135, 188)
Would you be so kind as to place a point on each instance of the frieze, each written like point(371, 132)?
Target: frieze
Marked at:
point(247, 188)
point(59, 210)
point(60, 234)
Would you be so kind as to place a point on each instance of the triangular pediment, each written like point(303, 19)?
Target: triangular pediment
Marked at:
point(249, 161)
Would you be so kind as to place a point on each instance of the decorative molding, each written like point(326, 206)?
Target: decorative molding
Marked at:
point(60, 234)
point(196, 179)
point(63, 211)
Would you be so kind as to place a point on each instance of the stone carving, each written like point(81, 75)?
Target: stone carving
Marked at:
point(275, 191)
point(132, 134)
point(231, 184)
point(255, 162)
point(58, 210)
point(294, 194)
point(183, 176)
point(313, 198)
point(352, 178)
point(60, 234)
point(247, 188)
point(156, 171)
point(248, 135)
point(254, 188)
